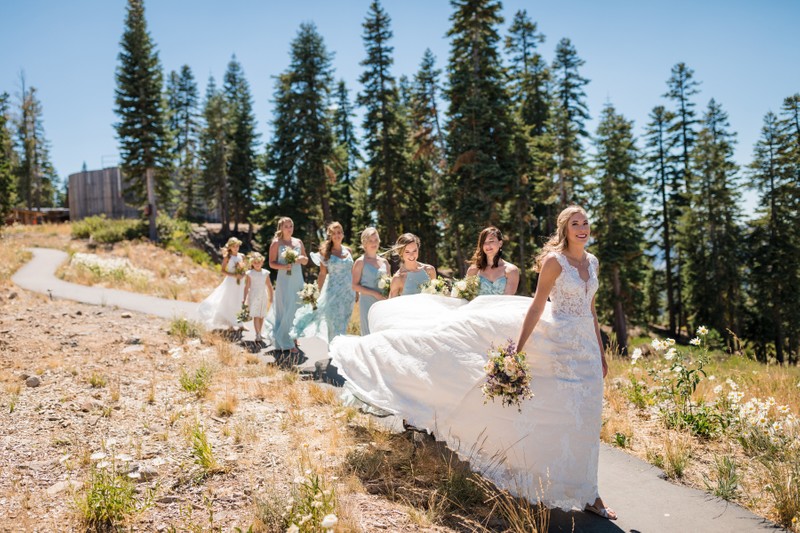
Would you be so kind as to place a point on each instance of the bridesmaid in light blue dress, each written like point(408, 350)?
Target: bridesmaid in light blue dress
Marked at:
point(336, 299)
point(289, 282)
point(495, 275)
point(412, 273)
point(367, 272)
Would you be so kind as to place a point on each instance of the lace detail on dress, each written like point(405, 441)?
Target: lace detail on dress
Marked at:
point(571, 296)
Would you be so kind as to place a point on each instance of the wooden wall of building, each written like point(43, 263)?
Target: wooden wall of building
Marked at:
point(97, 192)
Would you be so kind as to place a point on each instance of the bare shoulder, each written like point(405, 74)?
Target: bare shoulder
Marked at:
point(472, 270)
point(429, 269)
point(511, 268)
point(551, 264)
point(359, 261)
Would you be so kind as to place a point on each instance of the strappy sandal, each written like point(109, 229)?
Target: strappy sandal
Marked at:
point(606, 512)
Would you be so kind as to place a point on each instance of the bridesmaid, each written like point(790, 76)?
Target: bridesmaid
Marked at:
point(367, 271)
point(495, 275)
point(287, 286)
point(412, 273)
point(336, 298)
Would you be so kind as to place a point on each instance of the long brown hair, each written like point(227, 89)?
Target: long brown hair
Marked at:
point(281, 222)
point(479, 258)
point(558, 240)
point(327, 244)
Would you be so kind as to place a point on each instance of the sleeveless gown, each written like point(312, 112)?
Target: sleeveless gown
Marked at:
point(414, 280)
point(286, 301)
point(258, 300)
point(487, 287)
point(369, 278)
point(424, 362)
point(219, 310)
point(335, 304)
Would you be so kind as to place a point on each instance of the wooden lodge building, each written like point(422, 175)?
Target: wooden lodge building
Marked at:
point(98, 192)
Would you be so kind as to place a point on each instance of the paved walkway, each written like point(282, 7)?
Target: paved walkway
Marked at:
point(644, 501)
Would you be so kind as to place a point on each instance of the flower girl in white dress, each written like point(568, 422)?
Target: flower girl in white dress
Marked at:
point(258, 293)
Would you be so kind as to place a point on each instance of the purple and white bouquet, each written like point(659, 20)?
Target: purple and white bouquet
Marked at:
point(507, 376)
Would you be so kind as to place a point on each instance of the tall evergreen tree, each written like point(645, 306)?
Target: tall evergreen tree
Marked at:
point(142, 128)
point(184, 126)
point(36, 177)
point(681, 87)
point(618, 222)
point(660, 171)
point(242, 164)
point(347, 162)
point(7, 162)
point(215, 153)
point(427, 155)
point(529, 77)
point(482, 170)
point(712, 234)
point(301, 152)
point(384, 132)
point(773, 244)
point(568, 119)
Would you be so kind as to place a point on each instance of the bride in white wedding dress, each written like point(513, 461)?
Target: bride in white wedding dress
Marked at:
point(424, 358)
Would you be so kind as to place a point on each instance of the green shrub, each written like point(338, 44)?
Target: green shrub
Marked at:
point(109, 499)
point(183, 328)
point(108, 231)
point(198, 381)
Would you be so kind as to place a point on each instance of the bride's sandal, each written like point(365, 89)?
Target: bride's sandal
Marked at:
point(604, 512)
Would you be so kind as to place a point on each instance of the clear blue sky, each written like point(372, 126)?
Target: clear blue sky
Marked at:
point(744, 53)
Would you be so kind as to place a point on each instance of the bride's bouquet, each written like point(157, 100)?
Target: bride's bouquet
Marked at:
point(310, 294)
point(435, 286)
point(243, 315)
point(466, 288)
point(507, 376)
point(290, 256)
point(385, 284)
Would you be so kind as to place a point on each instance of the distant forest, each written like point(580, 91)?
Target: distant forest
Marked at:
point(495, 136)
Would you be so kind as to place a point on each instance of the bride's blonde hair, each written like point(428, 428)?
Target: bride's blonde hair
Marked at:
point(558, 240)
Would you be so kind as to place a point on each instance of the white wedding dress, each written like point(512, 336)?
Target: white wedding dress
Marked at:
point(423, 361)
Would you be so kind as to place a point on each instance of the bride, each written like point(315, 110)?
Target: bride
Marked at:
point(424, 362)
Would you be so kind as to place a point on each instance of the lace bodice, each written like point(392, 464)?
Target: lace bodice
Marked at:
point(233, 260)
point(497, 286)
point(571, 296)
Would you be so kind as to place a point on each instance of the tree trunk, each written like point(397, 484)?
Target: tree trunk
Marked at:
point(151, 203)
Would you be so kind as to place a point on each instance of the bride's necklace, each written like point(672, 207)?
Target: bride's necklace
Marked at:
point(578, 263)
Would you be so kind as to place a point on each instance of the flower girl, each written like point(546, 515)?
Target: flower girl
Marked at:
point(258, 295)
point(219, 310)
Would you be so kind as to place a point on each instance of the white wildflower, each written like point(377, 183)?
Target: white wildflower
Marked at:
point(293, 529)
point(103, 464)
point(732, 384)
point(712, 378)
point(671, 353)
point(96, 456)
point(702, 330)
point(695, 342)
point(670, 342)
point(677, 368)
point(329, 521)
point(656, 344)
point(637, 353)
point(717, 389)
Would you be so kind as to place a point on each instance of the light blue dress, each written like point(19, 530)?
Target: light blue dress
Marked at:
point(369, 278)
point(497, 286)
point(335, 304)
point(414, 280)
point(286, 300)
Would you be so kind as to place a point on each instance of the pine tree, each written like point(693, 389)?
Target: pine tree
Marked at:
point(7, 162)
point(242, 163)
point(347, 162)
point(384, 135)
point(618, 225)
point(215, 153)
point(681, 86)
point(36, 177)
point(427, 154)
point(482, 172)
point(184, 126)
point(660, 170)
point(142, 129)
point(712, 234)
point(568, 119)
point(529, 76)
point(301, 152)
point(772, 244)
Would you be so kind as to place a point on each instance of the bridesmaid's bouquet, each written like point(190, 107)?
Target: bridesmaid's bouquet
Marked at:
point(290, 256)
point(310, 294)
point(435, 286)
point(467, 288)
point(385, 284)
point(239, 270)
point(507, 376)
point(243, 315)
